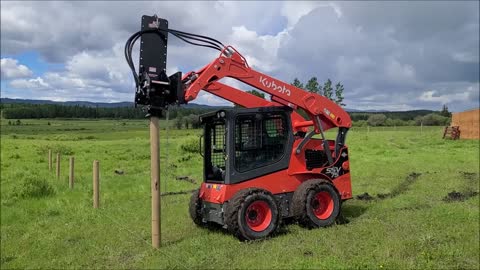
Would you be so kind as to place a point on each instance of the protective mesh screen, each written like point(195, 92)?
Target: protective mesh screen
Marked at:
point(259, 142)
point(218, 145)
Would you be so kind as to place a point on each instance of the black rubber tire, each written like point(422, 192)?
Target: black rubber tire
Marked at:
point(302, 203)
point(194, 208)
point(236, 210)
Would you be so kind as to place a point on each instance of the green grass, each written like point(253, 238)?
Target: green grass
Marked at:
point(54, 227)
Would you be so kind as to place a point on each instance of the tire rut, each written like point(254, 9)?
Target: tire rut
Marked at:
point(400, 189)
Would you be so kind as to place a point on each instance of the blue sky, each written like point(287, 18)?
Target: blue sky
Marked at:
point(32, 60)
point(388, 55)
point(35, 63)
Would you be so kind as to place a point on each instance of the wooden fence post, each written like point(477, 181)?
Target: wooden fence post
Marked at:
point(71, 179)
point(58, 165)
point(96, 193)
point(155, 181)
point(50, 160)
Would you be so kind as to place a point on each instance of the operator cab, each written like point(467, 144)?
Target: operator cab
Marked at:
point(242, 144)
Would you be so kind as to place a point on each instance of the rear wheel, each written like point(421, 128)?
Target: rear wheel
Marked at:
point(194, 208)
point(252, 214)
point(316, 203)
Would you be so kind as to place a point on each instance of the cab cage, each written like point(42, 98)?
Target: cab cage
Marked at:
point(242, 144)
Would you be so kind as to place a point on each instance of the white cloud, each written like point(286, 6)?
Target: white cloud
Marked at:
point(11, 69)
point(97, 76)
point(386, 54)
point(36, 83)
point(260, 51)
point(434, 96)
point(451, 93)
point(295, 10)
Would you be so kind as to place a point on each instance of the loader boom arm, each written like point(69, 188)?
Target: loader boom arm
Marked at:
point(247, 100)
point(325, 114)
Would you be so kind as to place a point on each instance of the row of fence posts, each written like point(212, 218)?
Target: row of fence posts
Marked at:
point(71, 178)
point(395, 128)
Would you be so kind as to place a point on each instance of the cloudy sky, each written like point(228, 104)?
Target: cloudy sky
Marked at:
point(388, 55)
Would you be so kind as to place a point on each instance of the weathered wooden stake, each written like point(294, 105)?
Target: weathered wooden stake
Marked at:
point(96, 193)
point(71, 179)
point(155, 181)
point(50, 160)
point(58, 165)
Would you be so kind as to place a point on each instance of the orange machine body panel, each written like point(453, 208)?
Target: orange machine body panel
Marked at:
point(284, 181)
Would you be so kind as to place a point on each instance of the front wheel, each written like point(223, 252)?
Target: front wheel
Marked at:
point(316, 203)
point(252, 214)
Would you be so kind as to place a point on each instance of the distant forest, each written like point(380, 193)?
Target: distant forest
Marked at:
point(186, 116)
point(38, 111)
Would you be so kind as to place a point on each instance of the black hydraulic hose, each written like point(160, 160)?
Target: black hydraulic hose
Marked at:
point(214, 44)
point(198, 39)
point(200, 36)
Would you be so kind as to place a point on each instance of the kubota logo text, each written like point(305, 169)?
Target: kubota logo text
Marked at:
point(271, 84)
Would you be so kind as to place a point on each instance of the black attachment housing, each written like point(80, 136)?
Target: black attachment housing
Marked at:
point(156, 90)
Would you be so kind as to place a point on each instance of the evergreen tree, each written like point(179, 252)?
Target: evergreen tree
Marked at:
point(296, 82)
point(339, 94)
point(328, 90)
point(312, 85)
point(445, 111)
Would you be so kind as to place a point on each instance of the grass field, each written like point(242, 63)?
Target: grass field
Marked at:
point(403, 222)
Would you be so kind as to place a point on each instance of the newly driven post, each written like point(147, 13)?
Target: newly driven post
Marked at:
point(155, 181)
point(155, 90)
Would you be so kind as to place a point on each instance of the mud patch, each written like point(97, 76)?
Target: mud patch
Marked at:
point(342, 219)
point(415, 208)
point(456, 196)
point(7, 259)
point(469, 176)
point(382, 196)
point(365, 197)
point(403, 187)
point(178, 192)
point(308, 253)
point(467, 191)
point(186, 178)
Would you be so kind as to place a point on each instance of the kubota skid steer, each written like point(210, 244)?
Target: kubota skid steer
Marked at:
point(261, 163)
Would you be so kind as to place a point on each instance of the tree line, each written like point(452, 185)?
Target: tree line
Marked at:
point(189, 117)
point(408, 118)
point(38, 111)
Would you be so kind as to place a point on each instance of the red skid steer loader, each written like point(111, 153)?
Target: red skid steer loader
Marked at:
point(261, 163)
